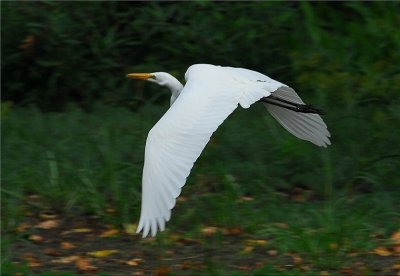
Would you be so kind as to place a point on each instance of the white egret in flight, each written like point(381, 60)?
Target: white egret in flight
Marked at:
point(197, 109)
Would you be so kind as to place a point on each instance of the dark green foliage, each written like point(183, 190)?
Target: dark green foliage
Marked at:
point(81, 51)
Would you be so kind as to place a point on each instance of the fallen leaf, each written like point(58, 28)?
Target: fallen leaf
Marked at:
point(209, 230)
point(32, 261)
point(381, 251)
point(51, 252)
point(130, 229)
point(67, 245)
point(181, 199)
point(34, 197)
point(347, 271)
point(22, 227)
point(324, 273)
point(162, 271)
point(84, 265)
point(82, 230)
point(396, 249)
point(256, 242)
point(272, 252)
point(138, 273)
point(305, 267)
point(187, 241)
point(247, 198)
point(297, 259)
point(396, 266)
point(333, 245)
point(77, 230)
point(395, 237)
point(352, 254)
point(110, 210)
point(248, 249)
point(27, 43)
point(36, 238)
point(259, 264)
point(102, 253)
point(48, 224)
point(281, 225)
point(134, 262)
point(109, 233)
point(233, 231)
point(298, 198)
point(66, 260)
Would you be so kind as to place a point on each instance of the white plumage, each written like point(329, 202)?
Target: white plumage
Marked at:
point(210, 95)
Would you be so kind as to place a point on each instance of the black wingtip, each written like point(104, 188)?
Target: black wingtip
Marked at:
point(306, 108)
point(303, 108)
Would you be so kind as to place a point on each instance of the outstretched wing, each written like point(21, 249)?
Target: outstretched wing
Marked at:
point(176, 141)
point(306, 126)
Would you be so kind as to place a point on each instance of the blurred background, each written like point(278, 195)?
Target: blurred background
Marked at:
point(74, 128)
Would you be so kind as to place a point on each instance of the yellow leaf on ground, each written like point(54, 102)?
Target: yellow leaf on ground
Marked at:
point(209, 230)
point(102, 253)
point(36, 238)
point(134, 262)
point(382, 251)
point(248, 249)
point(77, 230)
point(82, 230)
point(256, 242)
point(130, 229)
point(48, 224)
point(65, 260)
point(109, 233)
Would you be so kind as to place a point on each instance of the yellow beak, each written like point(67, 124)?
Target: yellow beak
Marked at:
point(140, 76)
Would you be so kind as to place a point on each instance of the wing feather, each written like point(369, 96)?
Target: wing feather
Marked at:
point(175, 143)
point(306, 126)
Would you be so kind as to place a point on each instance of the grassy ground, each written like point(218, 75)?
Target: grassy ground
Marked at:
point(258, 200)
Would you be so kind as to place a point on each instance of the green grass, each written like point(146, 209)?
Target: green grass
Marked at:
point(83, 163)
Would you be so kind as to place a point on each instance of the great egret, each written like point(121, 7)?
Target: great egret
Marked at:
point(211, 93)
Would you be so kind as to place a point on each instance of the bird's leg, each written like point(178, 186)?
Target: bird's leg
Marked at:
point(303, 108)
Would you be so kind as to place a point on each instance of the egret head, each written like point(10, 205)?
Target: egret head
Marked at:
point(161, 78)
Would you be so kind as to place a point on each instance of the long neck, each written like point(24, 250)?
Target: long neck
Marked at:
point(175, 87)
